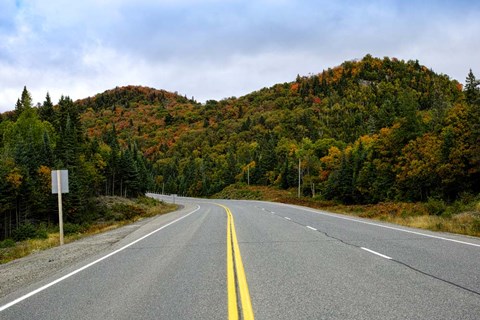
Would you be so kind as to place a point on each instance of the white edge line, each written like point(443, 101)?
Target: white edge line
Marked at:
point(376, 253)
point(288, 218)
point(386, 227)
point(34, 292)
point(311, 228)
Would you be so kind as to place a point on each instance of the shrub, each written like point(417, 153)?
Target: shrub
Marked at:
point(7, 243)
point(435, 206)
point(477, 207)
point(72, 228)
point(150, 202)
point(476, 225)
point(41, 233)
point(24, 232)
point(126, 212)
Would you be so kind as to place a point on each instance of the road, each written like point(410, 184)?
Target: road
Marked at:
point(297, 263)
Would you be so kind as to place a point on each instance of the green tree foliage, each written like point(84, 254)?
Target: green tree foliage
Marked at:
point(46, 111)
point(354, 127)
point(472, 90)
point(24, 103)
point(38, 140)
point(365, 131)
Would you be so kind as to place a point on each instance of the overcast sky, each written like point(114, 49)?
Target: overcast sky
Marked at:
point(213, 49)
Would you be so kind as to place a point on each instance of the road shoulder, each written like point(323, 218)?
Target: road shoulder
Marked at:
point(38, 266)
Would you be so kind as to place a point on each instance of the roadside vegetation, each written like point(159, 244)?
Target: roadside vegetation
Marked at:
point(111, 213)
point(377, 137)
point(461, 216)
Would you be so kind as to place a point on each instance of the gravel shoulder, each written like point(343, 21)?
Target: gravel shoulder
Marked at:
point(23, 272)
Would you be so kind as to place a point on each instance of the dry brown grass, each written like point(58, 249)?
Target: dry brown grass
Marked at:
point(414, 215)
point(26, 247)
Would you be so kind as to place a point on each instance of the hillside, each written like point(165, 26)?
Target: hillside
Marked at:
point(361, 130)
point(364, 132)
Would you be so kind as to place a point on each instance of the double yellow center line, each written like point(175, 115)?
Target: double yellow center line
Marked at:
point(236, 275)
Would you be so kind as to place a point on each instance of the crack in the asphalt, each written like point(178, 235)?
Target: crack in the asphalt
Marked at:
point(437, 278)
point(393, 260)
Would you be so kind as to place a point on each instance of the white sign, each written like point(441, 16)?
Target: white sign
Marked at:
point(60, 183)
point(63, 181)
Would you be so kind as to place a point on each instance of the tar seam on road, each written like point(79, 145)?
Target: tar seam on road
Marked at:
point(234, 258)
point(391, 259)
point(34, 292)
point(383, 226)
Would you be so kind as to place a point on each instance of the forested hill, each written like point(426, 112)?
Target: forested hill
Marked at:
point(363, 132)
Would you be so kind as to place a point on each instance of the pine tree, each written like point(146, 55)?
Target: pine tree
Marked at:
point(113, 163)
point(46, 112)
point(472, 92)
point(25, 102)
point(26, 98)
point(129, 176)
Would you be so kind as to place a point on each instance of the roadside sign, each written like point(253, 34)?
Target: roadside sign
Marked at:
point(63, 181)
point(59, 186)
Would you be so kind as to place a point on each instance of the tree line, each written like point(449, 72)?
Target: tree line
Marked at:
point(366, 131)
point(37, 139)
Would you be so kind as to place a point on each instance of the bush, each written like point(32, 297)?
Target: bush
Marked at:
point(24, 232)
point(7, 243)
point(126, 212)
point(150, 202)
point(476, 225)
point(72, 228)
point(41, 234)
point(435, 206)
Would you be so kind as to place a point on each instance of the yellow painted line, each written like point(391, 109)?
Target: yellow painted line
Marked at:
point(242, 279)
point(232, 292)
point(236, 259)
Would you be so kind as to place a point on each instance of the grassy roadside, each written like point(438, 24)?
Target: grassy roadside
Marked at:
point(461, 217)
point(113, 212)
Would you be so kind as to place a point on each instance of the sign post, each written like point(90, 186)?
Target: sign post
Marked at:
point(59, 186)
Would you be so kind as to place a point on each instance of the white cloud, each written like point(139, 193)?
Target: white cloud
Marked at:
point(216, 49)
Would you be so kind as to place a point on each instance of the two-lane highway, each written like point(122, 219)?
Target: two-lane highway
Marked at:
point(297, 263)
point(179, 272)
point(307, 264)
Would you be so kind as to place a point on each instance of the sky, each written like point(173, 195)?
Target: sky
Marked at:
point(214, 49)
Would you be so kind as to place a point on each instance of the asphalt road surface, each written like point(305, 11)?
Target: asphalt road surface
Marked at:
point(297, 263)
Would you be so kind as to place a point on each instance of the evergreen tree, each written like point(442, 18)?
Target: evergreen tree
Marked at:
point(25, 102)
point(46, 111)
point(129, 176)
point(472, 91)
point(113, 162)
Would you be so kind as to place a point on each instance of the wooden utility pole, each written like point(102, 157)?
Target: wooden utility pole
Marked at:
point(299, 176)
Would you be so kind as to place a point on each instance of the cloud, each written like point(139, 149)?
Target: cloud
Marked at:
point(215, 49)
